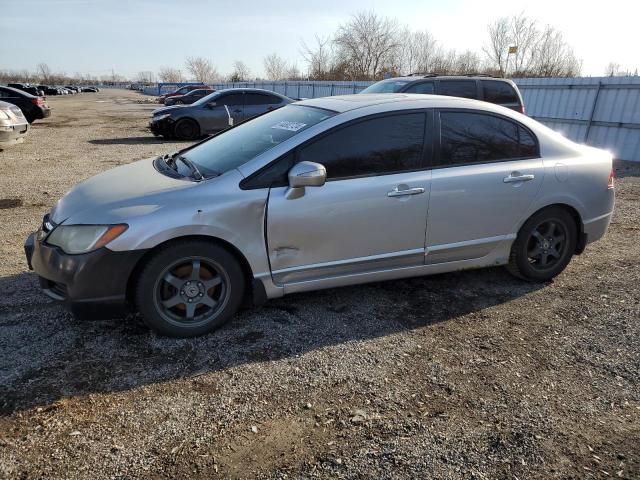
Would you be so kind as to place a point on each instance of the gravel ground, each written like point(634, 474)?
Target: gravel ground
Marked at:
point(464, 375)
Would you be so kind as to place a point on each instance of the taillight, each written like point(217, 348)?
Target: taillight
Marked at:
point(611, 177)
point(37, 101)
point(521, 109)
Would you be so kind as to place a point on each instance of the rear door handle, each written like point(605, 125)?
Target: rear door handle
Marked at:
point(409, 191)
point(515, 177)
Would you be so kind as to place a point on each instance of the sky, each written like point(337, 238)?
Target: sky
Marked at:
point(129, 36)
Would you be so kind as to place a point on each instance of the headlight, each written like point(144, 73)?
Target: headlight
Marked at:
point(84, 238)
point(161, 117)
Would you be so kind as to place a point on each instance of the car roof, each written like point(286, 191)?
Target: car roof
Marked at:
point(429, 76)
point(345, 103)
point(251, 90)
point(15, 90)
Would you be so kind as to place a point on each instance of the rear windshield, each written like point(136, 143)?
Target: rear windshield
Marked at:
point(385, 86)
point(230, 149)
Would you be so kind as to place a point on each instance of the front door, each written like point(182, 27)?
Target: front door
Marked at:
point(370, 215)
point(214, 115)
point(487, 174)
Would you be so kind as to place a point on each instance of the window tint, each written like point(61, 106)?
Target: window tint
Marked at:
point(256, 99)
point(372, 147)
point(276, 174)
point(230, 99)
point(424, 87)
point(458, 88)
point(477, 137)
point(385, 86)
point(499, 92)
point(273, 100)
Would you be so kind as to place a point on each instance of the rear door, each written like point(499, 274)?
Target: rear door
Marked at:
point(486, 173)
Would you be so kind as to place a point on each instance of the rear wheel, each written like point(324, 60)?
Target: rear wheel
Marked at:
point(189, 288)
point(544, 246)
point(186, 129)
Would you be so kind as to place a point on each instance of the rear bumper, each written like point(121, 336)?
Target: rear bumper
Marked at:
point(91, 285)
point(595, 228)
point(13, 134)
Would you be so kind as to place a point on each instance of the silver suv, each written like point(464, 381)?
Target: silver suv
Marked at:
point(319, 194)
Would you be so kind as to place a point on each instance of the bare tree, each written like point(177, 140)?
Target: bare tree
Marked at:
point(553, 57)
point(367, 44)
point(318, 58)
point(466, 63)
point(240, 72)
point(202, 69)
point(44, 73)
point(293, 72)
point(275, 67)
point(170, 75)
point(145, 77)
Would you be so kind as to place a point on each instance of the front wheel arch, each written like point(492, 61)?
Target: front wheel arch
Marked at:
point(137, 269)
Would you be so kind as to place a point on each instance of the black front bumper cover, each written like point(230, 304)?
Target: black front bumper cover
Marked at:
point(90, 285)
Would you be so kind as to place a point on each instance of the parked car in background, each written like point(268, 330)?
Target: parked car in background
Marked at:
point(90, 89)
point(212, 113)
point(188, 98)
point(33, 108)
point(48, 90)
point(32, 89)
point(181, 91)
point(500, 91)
point(320, 194)
point(13, 126)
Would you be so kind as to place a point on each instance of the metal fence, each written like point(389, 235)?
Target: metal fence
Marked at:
point(599, 111)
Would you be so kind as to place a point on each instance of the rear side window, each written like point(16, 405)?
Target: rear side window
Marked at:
point(480, 138)
point(378, 146)
point(423, 87)
point(499, 92)
point(256, 99)
point(458, 88)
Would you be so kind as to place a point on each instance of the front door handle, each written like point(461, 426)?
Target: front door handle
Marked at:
point(515, 177)
point(408, 191)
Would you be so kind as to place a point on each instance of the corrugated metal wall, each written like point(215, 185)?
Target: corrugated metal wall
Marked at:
point(600, 111)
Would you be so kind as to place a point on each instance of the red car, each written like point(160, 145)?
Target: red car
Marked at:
point(180, 91)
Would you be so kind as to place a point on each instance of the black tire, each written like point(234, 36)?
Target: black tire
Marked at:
point(214, 291)
point(544, 246)
point(186, 129)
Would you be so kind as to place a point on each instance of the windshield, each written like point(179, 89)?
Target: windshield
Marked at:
point(238, 145)
point(385, 86)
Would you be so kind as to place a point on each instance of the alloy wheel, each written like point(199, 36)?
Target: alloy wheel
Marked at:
point(547, 244)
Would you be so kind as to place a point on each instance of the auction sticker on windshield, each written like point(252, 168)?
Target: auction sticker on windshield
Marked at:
point(291, 126)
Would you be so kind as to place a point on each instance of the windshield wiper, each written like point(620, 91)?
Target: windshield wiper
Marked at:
point(192, 166)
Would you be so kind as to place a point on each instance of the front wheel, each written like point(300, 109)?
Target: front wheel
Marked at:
point(544, 246)
point(186, 129)
point(189, 288)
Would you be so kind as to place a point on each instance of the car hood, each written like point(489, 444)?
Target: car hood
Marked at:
point(109, 197)
point(163, 110)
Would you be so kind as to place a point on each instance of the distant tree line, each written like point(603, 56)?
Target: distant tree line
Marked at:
point(368, 47)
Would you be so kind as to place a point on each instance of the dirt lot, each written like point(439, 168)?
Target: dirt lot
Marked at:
point(466, 375)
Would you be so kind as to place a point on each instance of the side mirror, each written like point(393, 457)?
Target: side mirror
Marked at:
point(305, 174)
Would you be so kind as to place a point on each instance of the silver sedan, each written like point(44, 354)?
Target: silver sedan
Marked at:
point(13, 125)
point(319, 194)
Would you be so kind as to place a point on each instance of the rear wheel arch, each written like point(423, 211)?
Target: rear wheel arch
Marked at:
point(581, 243)
point(237, 254)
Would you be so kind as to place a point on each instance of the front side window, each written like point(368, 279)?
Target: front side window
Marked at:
point(230, 99)
point(238, 145)
point(423, 87)
point(378, 146)
point(467, 138)
point(458, 88)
